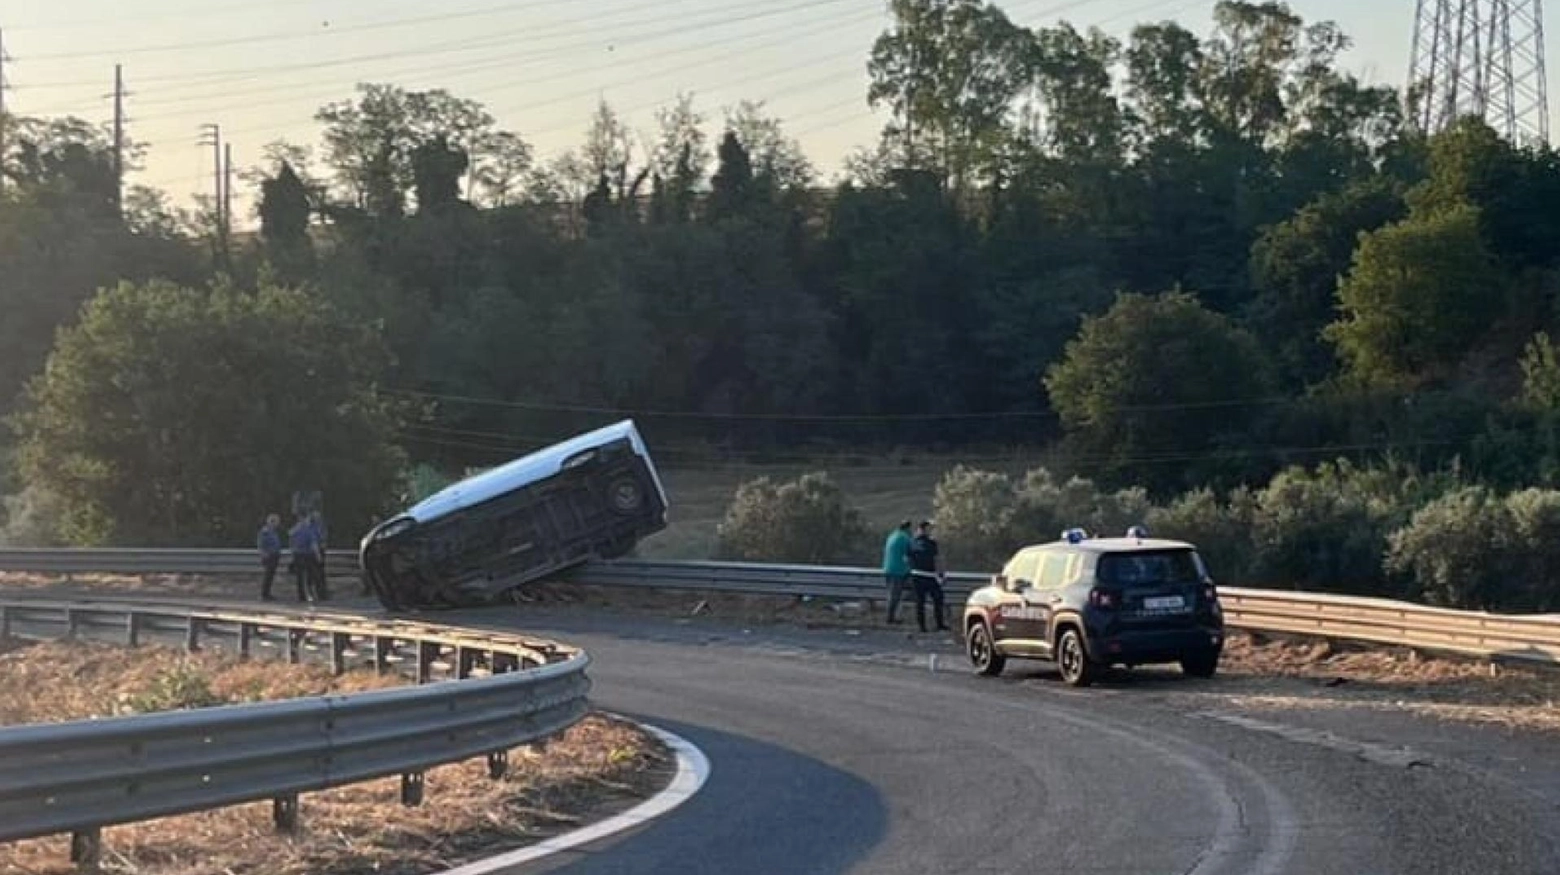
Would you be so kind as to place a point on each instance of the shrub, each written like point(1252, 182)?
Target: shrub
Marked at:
point(177, 689)
point(985, 516)
point(1535, 522)
point(1221, 530)
point(31, 519)
point(1326, 528)
point(975, 513)
point(803, 521)
point(1458, 549)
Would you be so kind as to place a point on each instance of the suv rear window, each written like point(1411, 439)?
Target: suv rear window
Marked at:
point(1149, 568)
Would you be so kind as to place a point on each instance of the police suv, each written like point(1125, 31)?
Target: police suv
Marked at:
point(1089, 603)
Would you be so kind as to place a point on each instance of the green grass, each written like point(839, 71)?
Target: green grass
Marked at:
point(884, 493)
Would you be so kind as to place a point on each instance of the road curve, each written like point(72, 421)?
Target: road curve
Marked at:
point(832, 754)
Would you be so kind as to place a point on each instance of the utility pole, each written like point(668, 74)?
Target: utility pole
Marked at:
point(4, 119)
point(119, 141)
point(227, 190)
point(1482, 58)
point(211, 135)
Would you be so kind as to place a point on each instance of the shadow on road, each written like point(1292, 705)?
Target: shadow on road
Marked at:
point(763, 809)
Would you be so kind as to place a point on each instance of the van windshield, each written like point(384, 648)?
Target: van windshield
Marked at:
point(1149, 568)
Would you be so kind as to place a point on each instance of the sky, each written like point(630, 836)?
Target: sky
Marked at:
point(260, 68)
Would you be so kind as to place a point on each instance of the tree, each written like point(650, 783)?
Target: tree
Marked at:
point(1420, 292)
point(284, 212)
point(681, 158)
point(732, 185)
point(436, 170)
point(171, 415)
point(777, 159)
point(1157, 377)
point(949, 71)
point(1296, 266)
point(370, 140)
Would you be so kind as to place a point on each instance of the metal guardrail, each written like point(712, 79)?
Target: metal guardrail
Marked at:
point(476, 694)
point(1380, 621)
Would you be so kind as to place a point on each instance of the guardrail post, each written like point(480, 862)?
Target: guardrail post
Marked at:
point(412, 789)
point(498, 764)
point(192, 634)
point(426, 653)
point(294, 646)
point(284, 812)
point(72, 623)
point(5, 622)
point(462, 662)
point(339, 642)
point(383, 647)
point(246, 633)
point(86, 848)
point(133, 629)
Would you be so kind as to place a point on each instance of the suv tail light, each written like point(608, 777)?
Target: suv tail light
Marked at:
point(1104, 599)
point(1210, 593)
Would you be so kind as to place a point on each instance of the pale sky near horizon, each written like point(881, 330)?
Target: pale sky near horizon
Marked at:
point(260, 68)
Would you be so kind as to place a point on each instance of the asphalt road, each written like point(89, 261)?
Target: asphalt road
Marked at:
point(838, 754)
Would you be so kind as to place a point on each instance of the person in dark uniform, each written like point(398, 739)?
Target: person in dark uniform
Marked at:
point(269, 543)
point(321, 587)
point(303, 540)
point(926, 573)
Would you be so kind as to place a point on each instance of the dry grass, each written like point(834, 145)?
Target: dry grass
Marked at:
point(52, 682)
point(597, 766)
point(1282, 674)
point(242, 586)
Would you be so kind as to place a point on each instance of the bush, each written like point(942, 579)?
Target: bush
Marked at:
point(1458, 549)
point(31, 519)
point(177, 689)
point(975, 511)
point(1535, 521)
point(985, 516)
point(1222, 530)
point(1326, 528)
point(803, 521)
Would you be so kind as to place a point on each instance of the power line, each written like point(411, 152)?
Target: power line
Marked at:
point(504, 8)
point(485, 66)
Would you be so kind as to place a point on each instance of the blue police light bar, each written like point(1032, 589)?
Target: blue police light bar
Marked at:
point(1073, 536)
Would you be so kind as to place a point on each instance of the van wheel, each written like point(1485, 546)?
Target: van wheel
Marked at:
point(983, 651)
point(1201, 664)
point(1072, 660)
point(625, 496)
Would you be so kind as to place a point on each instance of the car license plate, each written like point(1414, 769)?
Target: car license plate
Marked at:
point(1164, 603)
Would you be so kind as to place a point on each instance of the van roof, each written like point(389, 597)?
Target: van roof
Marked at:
point(527, 469)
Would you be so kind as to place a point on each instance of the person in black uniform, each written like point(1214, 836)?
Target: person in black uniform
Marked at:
point(926, 573)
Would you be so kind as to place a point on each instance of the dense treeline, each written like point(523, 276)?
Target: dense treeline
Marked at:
point(1176, 261)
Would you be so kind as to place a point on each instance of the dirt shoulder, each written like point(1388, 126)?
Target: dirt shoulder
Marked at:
point(597, 768)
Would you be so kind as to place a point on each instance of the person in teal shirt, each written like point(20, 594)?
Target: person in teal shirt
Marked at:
point(896, 567)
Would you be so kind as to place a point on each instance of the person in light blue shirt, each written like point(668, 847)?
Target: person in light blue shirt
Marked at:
point(896, 567)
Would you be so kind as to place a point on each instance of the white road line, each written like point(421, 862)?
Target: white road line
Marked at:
point(693, 769)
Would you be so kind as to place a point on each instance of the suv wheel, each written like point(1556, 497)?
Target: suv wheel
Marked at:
point(1073, 660)
point(983, 651)
point(1201, 664)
